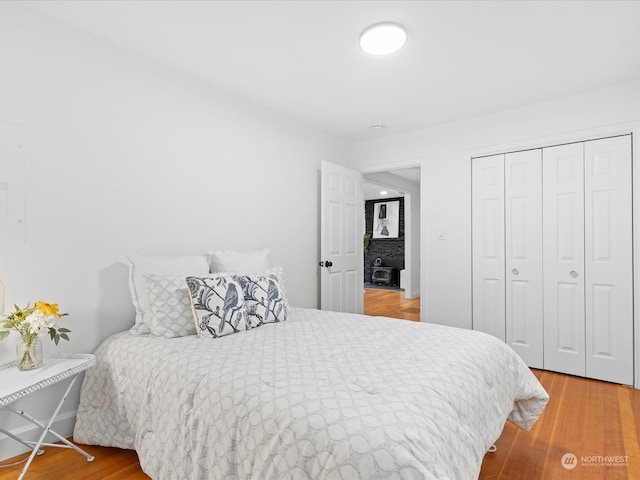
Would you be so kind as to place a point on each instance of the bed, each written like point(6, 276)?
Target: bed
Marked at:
point(322, 395)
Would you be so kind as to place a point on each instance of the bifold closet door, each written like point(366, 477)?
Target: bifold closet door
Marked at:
point(608, 259)
point(487, 178)
point(588, 279)
point(563, 233)
point(523, 262)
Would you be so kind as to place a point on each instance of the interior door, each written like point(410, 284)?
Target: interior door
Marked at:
point(609, 260)
point(523, 258)
point(342, 230)
point(563, 264)
point(487, 193)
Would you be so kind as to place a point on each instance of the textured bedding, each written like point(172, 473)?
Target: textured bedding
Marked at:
point(323, 395)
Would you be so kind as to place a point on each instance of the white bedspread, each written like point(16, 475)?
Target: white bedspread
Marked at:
point(320, 396)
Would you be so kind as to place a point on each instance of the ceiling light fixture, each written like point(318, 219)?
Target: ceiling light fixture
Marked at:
point(383, 38)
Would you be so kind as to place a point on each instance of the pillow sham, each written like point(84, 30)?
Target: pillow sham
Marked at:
point(239, 262)
point(169, 306)
point(218, 305)
point(264, 299)
point(141, 265)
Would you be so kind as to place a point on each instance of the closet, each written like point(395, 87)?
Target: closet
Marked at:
point(552, 255)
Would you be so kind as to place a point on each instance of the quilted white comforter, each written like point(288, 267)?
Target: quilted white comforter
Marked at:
point(320, 396)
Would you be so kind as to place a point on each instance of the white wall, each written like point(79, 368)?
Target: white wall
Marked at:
point(443, 152)
point(125, 155)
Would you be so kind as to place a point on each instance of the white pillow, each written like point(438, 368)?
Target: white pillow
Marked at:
point(141, 265)
point(218, 305)
point(241, 263)
point(170, 306)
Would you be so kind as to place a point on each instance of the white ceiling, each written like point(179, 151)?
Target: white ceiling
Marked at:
point(462, 58)
point(372, 190)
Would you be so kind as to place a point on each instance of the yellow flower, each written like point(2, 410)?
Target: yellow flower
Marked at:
point(48, 309)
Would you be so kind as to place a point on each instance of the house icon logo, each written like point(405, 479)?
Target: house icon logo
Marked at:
point(569, 461)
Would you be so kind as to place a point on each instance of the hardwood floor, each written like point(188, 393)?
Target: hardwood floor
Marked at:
point(65, 464)
point(587, 418)
point(391, 303)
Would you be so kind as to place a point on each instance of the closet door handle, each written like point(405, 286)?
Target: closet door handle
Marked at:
point(573, 273)
point(515, 271)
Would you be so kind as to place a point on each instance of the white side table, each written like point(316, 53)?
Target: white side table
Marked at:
point(15, 384)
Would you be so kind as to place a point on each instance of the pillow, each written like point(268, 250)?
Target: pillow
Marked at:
point(264, 299)
point(218, 305)
point(278, 272)
point(140, 265)
point(169, 306)
point(239, 262)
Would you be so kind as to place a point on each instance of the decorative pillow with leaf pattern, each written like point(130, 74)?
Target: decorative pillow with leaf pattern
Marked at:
point(218, 305)
point(264, 298)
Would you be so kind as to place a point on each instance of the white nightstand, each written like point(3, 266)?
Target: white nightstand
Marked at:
point(15, 384)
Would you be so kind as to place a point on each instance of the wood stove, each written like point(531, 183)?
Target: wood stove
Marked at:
point(384, 276)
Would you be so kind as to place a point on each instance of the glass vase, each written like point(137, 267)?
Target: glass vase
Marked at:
point(29, 353)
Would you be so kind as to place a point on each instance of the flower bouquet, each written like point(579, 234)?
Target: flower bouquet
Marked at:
point(29, 322)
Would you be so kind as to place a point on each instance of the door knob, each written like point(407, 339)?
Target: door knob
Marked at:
point(328, 263)
point(515, 271)
point(573, 273)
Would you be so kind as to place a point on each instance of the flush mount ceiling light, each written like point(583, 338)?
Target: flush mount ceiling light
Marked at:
point(383, 38)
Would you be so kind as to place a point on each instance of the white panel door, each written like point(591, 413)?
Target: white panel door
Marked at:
point(488, 245)
point(523, 240)
point(342, 228)
point(608, 260)
point(563, 252)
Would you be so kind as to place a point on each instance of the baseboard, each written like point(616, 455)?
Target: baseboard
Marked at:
point(63, 425)
point(411, 295)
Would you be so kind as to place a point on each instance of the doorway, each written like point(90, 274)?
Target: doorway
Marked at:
point(391, 263)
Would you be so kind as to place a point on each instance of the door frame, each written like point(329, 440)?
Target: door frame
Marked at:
point(389, 168)
point(632, 128)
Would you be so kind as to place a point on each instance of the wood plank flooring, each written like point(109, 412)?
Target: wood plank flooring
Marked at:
point(594, 424)
point(391, 303)
point(587, 418)
point(64, 464)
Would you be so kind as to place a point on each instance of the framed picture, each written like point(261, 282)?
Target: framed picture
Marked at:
point(386, 219)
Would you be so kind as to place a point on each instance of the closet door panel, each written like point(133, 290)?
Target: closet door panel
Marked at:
point(608, 260)
point(488, 245)
point(563, 258)
point(523, 238)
